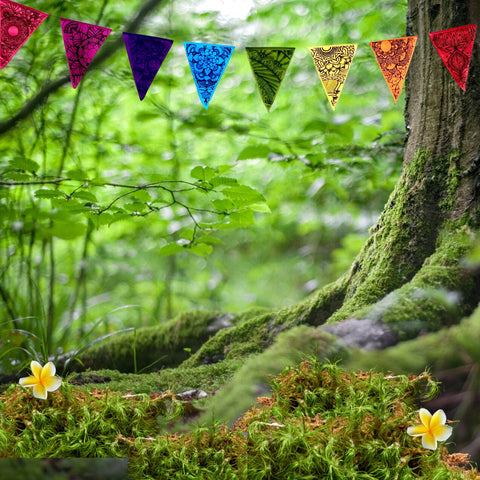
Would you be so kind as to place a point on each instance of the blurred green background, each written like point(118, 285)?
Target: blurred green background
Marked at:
point(69, 275)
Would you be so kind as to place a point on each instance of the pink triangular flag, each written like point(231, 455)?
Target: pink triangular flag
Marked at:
point(455, 47)
point(82, 41)
point(17, 23)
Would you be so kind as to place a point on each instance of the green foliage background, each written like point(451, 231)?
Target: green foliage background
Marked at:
point(157, 207)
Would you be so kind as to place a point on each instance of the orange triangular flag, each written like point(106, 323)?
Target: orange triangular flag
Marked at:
point(455, 47)
point(393, 57)
point(17, 23)
point(332, 63)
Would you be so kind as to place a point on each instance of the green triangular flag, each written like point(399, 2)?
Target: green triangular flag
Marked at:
point(269, 66)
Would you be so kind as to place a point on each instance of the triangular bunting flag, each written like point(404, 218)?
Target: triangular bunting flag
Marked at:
point(17, 23)
point(82, 42)
point(146, 55)
point(455, 47)
point(269, 66)
point(332, 63)
point(207, 62)
point(393, 57)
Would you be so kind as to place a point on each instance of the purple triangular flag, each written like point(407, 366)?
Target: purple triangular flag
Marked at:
point(146, 55)
point(82, 41)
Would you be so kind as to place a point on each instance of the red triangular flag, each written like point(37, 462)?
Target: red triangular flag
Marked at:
point(82, 41)
point(455, 47)
point(17, 23)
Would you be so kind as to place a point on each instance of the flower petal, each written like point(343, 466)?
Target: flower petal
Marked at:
point(417, 430)
point(39, 391)
point(429, 441)
point(28, 381)
point(442, 432)
point(425, 417)
point(438, 418)
point(36, 368)
point(48, 370)
point(52, 383)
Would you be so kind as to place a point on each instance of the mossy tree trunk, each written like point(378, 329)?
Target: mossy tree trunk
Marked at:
point(438, 189)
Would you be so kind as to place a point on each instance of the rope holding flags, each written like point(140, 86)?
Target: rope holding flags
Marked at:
point(208, 61)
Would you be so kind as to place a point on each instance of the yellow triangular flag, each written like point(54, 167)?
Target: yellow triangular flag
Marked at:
point(332, 63)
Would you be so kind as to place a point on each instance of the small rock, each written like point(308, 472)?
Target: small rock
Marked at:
point(365, 333)
point(220, 322)
point(194, 394)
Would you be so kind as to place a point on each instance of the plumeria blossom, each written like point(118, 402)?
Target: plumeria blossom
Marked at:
point(42, 381)
point(432, 430)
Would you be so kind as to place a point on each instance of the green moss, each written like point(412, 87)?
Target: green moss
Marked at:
point(442, 350)
point(161, 345)
point(254, 335)
point(206, 377)
point(320, 422)
point(405, 234)
point(252, 378)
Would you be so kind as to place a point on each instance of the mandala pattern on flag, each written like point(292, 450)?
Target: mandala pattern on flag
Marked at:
point(82, 41)
point(17, 23)
point(146, 55)
point(207, 62)
point(455, 47)
point(393, 57)
point(269, 66)
point(332, 63)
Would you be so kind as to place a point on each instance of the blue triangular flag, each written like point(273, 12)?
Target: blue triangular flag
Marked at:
point(146, 55)
point(207, 62)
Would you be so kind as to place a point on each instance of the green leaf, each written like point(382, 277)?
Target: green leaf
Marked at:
point(76, 174)
point(202, 250)
point(209, 240)
point(254, 151)
point(202, 173)
point(223, 205)
point(260, 207)
point(16, 176)
point(26, 164)
point(85, 195)
point(49, 193)
point(217, 181)
point(242, 196)
point(240, 219)
point(135, 207)
point(171, 249)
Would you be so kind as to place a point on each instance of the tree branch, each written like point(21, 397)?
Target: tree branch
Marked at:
point(104, 53)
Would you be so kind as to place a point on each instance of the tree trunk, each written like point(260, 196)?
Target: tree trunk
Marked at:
point(437, 191)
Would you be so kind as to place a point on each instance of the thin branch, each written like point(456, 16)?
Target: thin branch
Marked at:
point(103, 54)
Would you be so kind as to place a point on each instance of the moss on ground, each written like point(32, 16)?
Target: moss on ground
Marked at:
point(320, 422)
point(164, 345)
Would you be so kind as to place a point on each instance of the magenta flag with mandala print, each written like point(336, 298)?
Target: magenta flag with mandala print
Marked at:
point(82, 41)
point(455, 47)
point(17, 23)
point(207, 62)
point(146, 55)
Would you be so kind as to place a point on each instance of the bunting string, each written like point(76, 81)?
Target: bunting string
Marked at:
point(208, 62)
